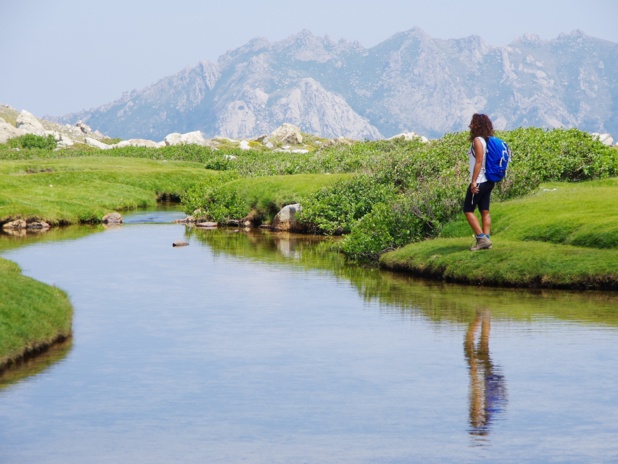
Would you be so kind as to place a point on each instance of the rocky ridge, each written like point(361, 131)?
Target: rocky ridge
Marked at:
point(334, 89)
point(286, 138)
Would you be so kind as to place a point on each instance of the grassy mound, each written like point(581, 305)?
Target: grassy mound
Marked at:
point(564, 236)
point(84, 189)
point(33, 315)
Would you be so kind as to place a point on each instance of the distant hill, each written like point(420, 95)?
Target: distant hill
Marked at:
point(409, 82)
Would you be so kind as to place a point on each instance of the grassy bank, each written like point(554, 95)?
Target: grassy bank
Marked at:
point(74, 190)
point(69, 191)
point(33, 315)
point(563, 236)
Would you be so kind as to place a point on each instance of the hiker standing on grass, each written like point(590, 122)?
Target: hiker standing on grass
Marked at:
point(479, 190)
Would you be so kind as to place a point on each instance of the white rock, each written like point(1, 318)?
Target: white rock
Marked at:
point(244, 145)
point(95, 143)
point(63, 140)
point(286, 218)
point(189, 138)
point(409, 136)
point(287, 133)
point(83, 127)
point(7, 131)
point(139, 143)
point(605, 139)
point(173, 139)
point(29, 123)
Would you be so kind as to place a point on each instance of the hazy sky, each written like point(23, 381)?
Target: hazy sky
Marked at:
point(61, 56)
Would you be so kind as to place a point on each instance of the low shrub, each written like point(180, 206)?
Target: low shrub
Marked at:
point(31, 141)
point(336, 209)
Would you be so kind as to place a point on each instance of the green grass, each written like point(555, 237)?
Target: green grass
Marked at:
point(564, 236)
point(74, 190)
point(32, 315)
point(581, 214)
point(66, 191)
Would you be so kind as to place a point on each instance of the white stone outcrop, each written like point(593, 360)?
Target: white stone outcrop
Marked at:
point(97, 144)
point(287, 133)
point(195, 137)
point(605, 139)
point(83, 127)
point(139, 143)
point(7, 131)
point(29, 123)
point(409, 136)
point(63, 140)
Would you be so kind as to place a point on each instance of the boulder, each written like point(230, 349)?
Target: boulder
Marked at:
point(7, 131)
point(112, 218)
point(18, 224)
point(338, 141)
point(95, 143)
point(83, 127)
point(185, 220)
point(61, 139)
point(207, 225)
point(29, 124)
point(409, 136)
point(286, 218)
point(605, 139)
point(38, 225)
point(244, 145)
point(139, 143)
point(190, 138)
point(287, 133)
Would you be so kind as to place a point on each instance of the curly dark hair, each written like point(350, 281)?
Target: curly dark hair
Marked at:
point(480, 126)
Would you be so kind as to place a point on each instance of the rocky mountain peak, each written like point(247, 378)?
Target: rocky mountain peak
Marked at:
point(409, 82)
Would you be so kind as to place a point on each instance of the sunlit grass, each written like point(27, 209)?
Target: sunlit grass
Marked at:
point(32, 314)
point(566, 235)
point(84, 189)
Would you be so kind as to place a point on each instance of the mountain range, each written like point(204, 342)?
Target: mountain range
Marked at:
point(409, 82)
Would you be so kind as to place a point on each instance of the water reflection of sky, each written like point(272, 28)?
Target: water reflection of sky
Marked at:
point(187, 355)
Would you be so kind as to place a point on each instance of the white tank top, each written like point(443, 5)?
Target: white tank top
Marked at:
point(471, 155)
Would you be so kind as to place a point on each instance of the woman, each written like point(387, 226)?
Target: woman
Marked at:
point(479, 190)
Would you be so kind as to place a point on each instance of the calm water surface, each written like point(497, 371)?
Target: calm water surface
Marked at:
point(264, 348)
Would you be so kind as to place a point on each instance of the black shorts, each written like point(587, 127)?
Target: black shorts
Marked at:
point(480, 199)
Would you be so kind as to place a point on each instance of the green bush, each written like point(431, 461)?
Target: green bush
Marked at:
point(31, 141)
point(335, 210)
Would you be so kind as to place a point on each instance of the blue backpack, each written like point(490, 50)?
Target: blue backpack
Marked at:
point(497, 159)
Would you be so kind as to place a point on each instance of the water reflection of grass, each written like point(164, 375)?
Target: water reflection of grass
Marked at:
point(35, 365)
point(436, 301)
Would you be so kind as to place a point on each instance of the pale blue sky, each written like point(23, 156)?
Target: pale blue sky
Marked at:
point(60, 56)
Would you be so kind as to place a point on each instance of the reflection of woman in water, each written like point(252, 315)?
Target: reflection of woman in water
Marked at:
point(487, 384)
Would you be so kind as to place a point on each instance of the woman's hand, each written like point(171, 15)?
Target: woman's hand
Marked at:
point(474, 188)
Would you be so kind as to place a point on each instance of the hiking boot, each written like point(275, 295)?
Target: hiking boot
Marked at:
point(482, 243)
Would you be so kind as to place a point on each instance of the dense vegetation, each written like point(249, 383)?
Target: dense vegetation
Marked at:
point(382, 194)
